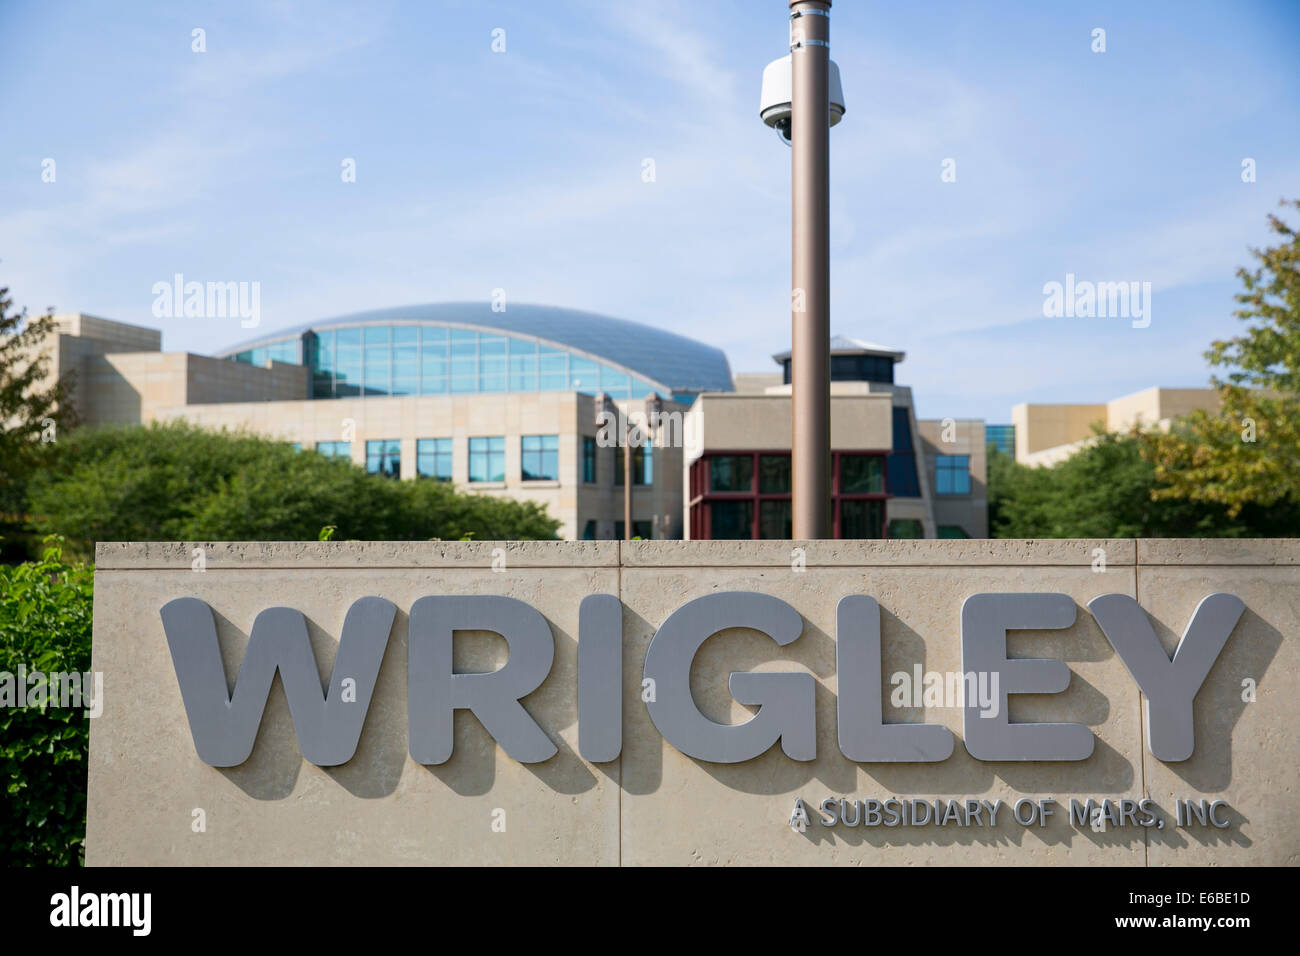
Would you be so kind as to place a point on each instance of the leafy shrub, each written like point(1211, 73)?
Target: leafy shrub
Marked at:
point(178, 482)
point(1107, 489)
point(45, 625)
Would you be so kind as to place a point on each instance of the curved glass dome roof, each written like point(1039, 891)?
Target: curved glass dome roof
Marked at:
point(466, 347)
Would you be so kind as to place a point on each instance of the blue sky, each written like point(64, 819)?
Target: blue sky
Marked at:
point(522, 171)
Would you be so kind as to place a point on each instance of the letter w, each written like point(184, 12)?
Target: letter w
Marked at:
point(224, 725)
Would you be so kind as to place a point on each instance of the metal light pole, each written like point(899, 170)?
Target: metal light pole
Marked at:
point(810, 297)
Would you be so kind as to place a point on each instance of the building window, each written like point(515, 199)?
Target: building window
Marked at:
point(1002, 437)
point(487, 459)
point(952, 531)
point(417, 359)
point(384, 457)
point(296, 445)
point(540, 457)
point(903, 481)
point(774, 522)
point(862, 475)
point(774, 475)
point(335, 449)
point(406, 360)
point(731, 473)
point(589, 531)
point(862, 518)
point(862, 368)
point(906, 528)
point(347, 363)
point(952, 474)
point(588, 459)
point(853, 368)
point(731, 520)
point(433, 458)
point(727, 501)
point(289, 351)
point(492, 363)
point(642, 465)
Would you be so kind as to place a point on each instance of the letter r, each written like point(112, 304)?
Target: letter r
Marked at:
point(435, 693)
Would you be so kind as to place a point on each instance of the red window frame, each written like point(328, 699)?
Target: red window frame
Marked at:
point(702, 497)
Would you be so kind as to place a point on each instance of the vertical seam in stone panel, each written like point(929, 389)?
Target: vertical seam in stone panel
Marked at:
point(1142, 744)
point(622, 749)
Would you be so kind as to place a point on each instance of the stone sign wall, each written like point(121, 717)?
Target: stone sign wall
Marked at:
point(154, 800)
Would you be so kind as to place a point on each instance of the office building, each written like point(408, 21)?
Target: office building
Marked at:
point(532, 403)
point(1046, 434)
point(892, 475)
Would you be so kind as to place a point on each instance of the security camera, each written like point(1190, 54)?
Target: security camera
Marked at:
point(778, 83)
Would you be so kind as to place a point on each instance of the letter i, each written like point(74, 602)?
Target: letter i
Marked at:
point(600, 678)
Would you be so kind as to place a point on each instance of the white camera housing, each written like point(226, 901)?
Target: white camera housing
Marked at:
point(778, 84)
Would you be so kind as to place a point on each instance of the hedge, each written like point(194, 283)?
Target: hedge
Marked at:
point(45, 626)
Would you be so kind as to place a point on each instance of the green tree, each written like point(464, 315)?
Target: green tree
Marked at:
point(178, 482)
point(1248, 453)
point(45, 625)
point(1107, 490)
point(29, 404)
